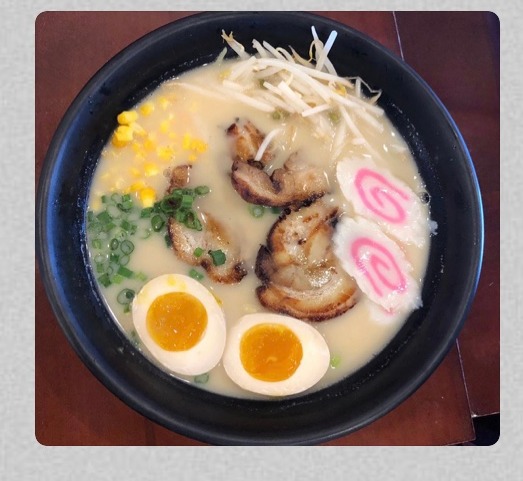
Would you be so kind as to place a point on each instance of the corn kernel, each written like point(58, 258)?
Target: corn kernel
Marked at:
point(164, 102)
point(150, 169)
point(136, 172)
point(147, 108)
point(165, 153)
point(123, 135)
point(149, 144)
point(147, 196)
point(127, 117)
point(199, 146)
point(186, 142)
point(136, 186)
point(164, 126)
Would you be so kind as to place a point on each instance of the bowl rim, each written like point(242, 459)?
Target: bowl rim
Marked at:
point(87, 351)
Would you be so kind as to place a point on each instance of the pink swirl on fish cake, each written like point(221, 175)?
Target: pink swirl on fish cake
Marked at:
point(381, 196)
point(378, 264)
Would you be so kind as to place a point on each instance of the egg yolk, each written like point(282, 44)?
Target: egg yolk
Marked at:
point(176, 321)
point(270, 352)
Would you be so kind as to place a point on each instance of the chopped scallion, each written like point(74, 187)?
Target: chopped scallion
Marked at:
point(218, 257)
point(126, 246)
point(123, 271)
point(157, 223)
point(104, 217)
point(186, 202)
point(256, 210)
point(117, 279)
point(196, 275)
point(201, 378)
point(335, 361)
point(146, 212)
point(104, 280)
point(125, 296)
point(114, 244)
point(202, 190)
point(198, 252)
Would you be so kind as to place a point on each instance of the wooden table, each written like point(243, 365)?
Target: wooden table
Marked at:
point(457, 53)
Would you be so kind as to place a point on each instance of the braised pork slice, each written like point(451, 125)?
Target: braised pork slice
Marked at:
point(246, 139)
point(293, 184)
point(213, 236)
point(300, 274)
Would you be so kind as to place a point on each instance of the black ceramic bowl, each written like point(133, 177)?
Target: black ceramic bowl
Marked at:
point(413, 354)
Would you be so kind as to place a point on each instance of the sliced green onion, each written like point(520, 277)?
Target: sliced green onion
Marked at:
point(335, 361)
point(168, 241)
point(117, 279)
point(181, 216)
point(113, 211)
point(256, 210)
point(125, 296)
point(100, 268)
point(114, 257)
point(121, 235)
point(202, 190)
point(124, 260)
point(186, 202)
point(97, 243)
point(196, 275)
point(218, 257)
point(146, 212)
point(140, 276)
point(198, 252)
point(126, 309)
point(95, 227)
point(157, 223)
point(197, 225)
point(104, 199)
point(108, 227)
point(123, 271)
point(276, 210)
point(126, 246)
point(104, 217)
point(116, 198)
point(104, 280)
point(126, 225)
point(201, 378)
point(99, 258)
point(114, 244)
point(188, 191)
point(90, 216)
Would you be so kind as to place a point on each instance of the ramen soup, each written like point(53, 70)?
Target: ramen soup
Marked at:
point(257, 226)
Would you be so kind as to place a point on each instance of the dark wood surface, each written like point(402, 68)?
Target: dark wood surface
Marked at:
point(457, 53)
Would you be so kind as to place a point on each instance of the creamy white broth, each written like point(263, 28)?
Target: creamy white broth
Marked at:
point(180, 116)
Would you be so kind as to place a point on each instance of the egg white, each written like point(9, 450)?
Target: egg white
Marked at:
point(202, 357)
point(313, 366)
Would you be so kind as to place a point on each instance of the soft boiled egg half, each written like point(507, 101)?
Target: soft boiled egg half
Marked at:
point(275, 355)
point(181, 324)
